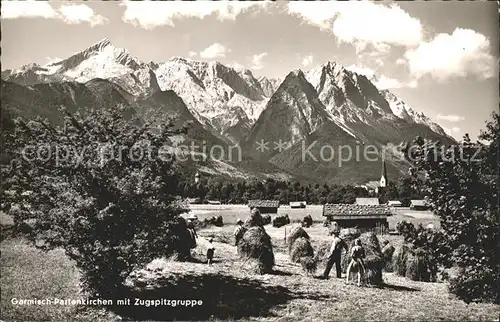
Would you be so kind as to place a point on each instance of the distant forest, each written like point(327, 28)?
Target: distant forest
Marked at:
point(404, 189)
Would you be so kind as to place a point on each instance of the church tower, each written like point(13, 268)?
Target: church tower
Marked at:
point(384, 181)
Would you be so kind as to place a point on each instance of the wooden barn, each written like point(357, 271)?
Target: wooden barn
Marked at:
point(360, 216)
point(419, 205)
point(367, 201)
point(298, 204)
point(265, 206)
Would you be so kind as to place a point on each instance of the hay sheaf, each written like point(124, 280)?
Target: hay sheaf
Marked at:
point(280, 221)
point(321, 252)
point(296, 233)
point(349, 234)
point(301, 247)
point(266, 219)
point(387, 253)
point(254, 220)
point(255, 248)
point(374, 260)
point(307, 221)
point(399, 259)
point(418, 266)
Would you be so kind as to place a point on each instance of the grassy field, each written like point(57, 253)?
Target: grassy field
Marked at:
point(228, 291)
point(231, 213)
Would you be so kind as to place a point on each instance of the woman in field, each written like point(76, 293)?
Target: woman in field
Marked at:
point(357, 255)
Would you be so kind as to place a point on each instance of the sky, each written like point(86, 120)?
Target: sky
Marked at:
point(440, 57)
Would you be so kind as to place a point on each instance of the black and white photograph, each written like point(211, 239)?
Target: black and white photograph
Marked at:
point(250, 160)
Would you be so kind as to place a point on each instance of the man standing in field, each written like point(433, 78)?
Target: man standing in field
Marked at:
point(334, 255)
point(238, 232)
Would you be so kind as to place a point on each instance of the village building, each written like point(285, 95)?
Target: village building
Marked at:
point(298, 204)
point(265, 206)
point(418, 204)
point(364, 217)
point(384, 180)
point(394, 203)
point(367, 201)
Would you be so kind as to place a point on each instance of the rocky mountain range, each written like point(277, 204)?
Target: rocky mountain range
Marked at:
point(327, 106)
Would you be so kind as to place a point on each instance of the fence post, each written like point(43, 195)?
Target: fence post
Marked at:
point(285, 234)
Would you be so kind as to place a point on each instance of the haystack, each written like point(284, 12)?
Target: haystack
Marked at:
point(266, 219)
point(256, 249)
point(300, 248)
point(374, 261)
point(307, 221)
point(217, 221)
point(399, 259)
point(349, 234)
point(280, 221)
point(180, 239)
point(418, 266)
point(387, 252)
point(320, 255)
point(254, 220)
point(296, 233)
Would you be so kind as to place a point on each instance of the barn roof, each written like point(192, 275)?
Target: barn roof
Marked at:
point(394, 202)
point(367, 201)
point(264, 203)
point(348, 211)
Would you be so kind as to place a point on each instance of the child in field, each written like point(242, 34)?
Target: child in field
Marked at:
point(357, 255)
point(210, 251)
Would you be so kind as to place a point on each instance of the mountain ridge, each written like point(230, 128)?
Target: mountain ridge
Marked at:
point(328, 103)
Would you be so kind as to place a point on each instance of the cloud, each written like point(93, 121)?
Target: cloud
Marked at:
point(361, 22)
point(70, 14)
point(151, 14)
point(215, 50)
point(400, 61)
point(27, 9)
point(307, 60)
point(257, 60)
point(78, 13)
point(382, 81)
point(368, 72)
point(452, 130)
point(236, 66)
point(192, 54)
point(451, 118)
point(465, 52)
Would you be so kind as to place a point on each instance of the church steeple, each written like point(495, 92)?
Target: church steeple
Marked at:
point(384, 181)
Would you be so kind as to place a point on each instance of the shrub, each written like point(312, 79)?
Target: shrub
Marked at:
point(462, 188)
point(110, 213)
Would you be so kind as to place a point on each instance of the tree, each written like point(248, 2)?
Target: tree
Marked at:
point(462, 188)
point(86, 187)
